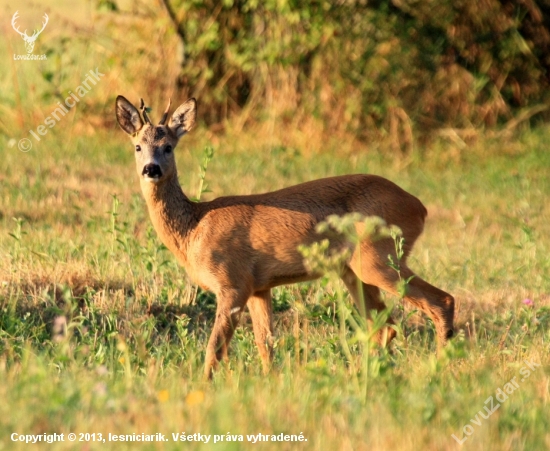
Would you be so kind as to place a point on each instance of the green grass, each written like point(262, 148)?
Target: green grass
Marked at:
point(101, 332)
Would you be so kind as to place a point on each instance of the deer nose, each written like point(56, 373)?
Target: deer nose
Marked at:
point(152, 170)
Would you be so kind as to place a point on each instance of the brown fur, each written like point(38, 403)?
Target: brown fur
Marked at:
point(239, 247)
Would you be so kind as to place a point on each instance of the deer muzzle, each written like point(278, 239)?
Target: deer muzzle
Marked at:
point(152, 172)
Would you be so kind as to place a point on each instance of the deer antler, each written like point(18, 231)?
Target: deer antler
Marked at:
point(165, 115)
point(16, 28)
point(143, 109)
point(36, 33)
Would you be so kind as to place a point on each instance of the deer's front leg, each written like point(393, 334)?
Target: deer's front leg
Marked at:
point(261, 312)
point(231, 303)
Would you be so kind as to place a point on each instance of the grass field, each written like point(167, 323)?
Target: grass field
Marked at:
point(102, 333)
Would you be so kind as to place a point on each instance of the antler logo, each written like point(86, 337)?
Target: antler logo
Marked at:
point(29, 40)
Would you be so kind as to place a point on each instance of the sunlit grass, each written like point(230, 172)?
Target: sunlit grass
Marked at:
point(101, 331)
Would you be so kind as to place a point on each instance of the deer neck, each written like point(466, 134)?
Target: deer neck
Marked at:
point(171, 213)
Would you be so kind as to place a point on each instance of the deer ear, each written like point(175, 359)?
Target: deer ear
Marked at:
point(183, 118)
point(128, 116)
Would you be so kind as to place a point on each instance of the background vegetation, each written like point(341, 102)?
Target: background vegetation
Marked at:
point(100, 330)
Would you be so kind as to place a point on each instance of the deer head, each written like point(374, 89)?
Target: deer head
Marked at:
point(154, 144)
point(29, 40)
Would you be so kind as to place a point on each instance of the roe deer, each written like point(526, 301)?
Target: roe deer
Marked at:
point(239, 247)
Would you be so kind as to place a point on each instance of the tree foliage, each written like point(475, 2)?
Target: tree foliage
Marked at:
point(364, 65)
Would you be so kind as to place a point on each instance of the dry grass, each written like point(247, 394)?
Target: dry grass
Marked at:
point(100, 330)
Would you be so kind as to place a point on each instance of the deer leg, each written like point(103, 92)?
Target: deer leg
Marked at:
point(373, 270)
point(230, 306)
point(260, 307)
point(371, 301)
point(436, 303)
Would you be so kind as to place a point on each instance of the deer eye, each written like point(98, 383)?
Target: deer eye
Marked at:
point(138, 148)
point(168, 149)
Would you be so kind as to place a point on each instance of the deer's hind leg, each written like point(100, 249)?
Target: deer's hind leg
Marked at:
point(369, 296)
point(373, 269)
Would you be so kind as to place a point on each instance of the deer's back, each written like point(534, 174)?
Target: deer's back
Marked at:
point(369, 195)
point(258, 235)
